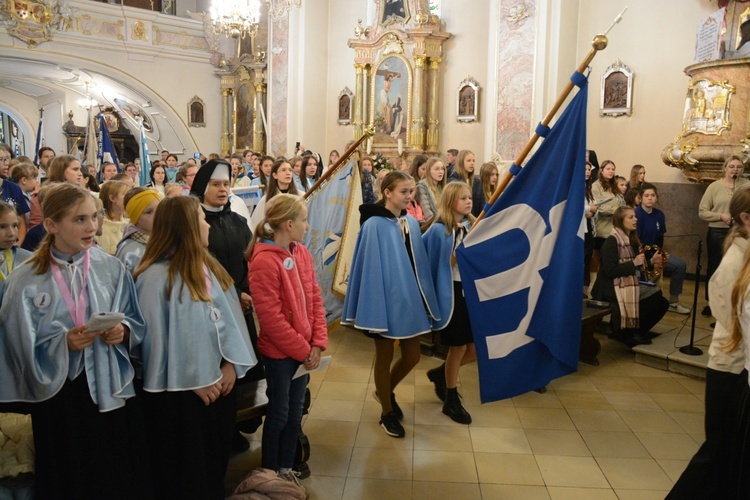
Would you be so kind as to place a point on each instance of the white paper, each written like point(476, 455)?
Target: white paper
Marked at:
point(104, 321)
point(324, 361)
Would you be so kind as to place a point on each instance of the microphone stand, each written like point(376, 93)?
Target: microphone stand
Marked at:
point(690, 349)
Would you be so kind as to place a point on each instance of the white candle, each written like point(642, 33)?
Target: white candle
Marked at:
point(369, 146)
point(400, 146)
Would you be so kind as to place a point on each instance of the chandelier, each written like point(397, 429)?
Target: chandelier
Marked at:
point(235, 18)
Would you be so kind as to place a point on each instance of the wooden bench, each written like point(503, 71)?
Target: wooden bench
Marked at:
point(590, 347)
point(252, 403)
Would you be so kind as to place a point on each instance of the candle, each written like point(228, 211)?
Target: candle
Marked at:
point(400, 147)
point(369, 146)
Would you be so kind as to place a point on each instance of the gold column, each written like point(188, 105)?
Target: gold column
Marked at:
point(417, 122)
point(259, 136)
point(359, 97)
point(226, 143)
point(432, 110)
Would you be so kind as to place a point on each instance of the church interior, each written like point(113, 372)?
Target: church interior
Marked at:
point(423, 76)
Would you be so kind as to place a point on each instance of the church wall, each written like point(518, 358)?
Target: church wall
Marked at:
point(656, 40)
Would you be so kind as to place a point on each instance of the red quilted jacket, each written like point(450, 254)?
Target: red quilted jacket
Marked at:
point(287, 300)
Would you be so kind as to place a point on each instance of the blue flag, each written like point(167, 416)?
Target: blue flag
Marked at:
point(106, 152)
point(39, 137)
point(145, 175)
point(522, 267)
point(327, 210)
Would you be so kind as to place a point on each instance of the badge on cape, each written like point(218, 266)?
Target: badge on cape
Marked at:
point(215, 315)
point(289, 263)
point(42, 300)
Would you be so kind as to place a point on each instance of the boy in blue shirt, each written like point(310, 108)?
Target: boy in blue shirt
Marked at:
point(651, 227)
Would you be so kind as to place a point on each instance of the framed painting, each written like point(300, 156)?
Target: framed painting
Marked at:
point(390, 100)
point(196, 112)
point(244, 97)
point(394, 11)
point(467, 101)
point(617, 91)
point(345, 102)
point(132, 111)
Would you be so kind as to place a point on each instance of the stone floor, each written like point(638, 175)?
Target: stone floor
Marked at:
point(619, 430)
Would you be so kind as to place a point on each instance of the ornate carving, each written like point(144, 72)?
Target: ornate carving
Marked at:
point(392, 45)
point(360, 31)
point(139, 31)
point(419, 61)
point(707, 107)
point(359, 68)
point(32, 20)
point(435, 63)
point(260, 87)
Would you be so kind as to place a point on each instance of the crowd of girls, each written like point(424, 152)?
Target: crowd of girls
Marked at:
point(150, 402)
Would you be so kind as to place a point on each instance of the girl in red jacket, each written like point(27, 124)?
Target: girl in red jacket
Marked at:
point(292, 321)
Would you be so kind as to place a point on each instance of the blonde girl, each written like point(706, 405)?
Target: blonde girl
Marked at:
point(391, 295)
point(430, 188)
point(637, 176)
point(88, 429)
point(605, 194)
point(441, 240)
point(10, 255)
point(465, 166)
point(195, 348)
point(112, 195)
point(292, 320)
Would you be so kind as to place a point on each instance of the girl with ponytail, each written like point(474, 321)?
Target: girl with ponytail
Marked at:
point(88, 431)
point(292, 320)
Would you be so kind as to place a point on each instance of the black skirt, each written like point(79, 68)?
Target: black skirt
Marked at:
point(189, 443)
point(458, 330)
point(82, 453)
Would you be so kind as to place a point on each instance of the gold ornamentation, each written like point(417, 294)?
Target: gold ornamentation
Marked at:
point(139, 31)
point(359, 68)
point(680, 155)
point(420, 61)
point(421, 18)
point(360, 31)
point(707, 107)
point(393, 45)
point(435, 63)
point(260, 87)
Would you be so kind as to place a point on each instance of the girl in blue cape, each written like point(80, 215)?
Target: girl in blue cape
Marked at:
point(88, 428)
point(441, 240)
point(10, 255)
point(140, 206)
point(195, 347)
point(390, 295)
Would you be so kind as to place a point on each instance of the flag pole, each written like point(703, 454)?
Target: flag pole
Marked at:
point(598, 43)
point(369, 132)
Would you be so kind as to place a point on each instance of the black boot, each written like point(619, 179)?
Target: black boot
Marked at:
point(437, 377)
point(454, 409)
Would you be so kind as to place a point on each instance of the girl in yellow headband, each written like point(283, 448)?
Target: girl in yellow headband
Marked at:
point(140, 205)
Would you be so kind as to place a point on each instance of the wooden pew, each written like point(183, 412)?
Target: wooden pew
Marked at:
point(590, 347)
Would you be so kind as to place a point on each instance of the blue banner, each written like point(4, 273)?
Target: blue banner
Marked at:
point(106, 152)
point(39, 138)
point(327, 217)
point(145, 174)
point(522, 267)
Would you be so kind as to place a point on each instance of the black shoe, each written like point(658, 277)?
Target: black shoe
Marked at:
point(395, 408)
point(706, 312)
point(454, 409)
point(437, 377)
point(392, 426)
point(239, 443)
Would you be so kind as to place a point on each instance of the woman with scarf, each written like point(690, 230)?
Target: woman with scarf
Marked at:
point(636, 307)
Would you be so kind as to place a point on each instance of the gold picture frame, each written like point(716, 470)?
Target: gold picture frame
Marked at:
point(196, 110)
point(390, 100)
point(393, 11)
point(345, 106)
point(707, 107)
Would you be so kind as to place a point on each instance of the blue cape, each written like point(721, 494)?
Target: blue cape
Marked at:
point(439, 247)
point(185, 340)
point(383, 294)
point(34, 322)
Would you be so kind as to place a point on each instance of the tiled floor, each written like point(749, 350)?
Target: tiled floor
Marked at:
point(618, 430)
